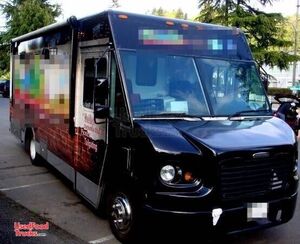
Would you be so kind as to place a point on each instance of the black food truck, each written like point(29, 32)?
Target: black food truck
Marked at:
point(157, 115)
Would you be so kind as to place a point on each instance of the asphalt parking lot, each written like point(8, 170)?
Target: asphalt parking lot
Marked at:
point(38, 194)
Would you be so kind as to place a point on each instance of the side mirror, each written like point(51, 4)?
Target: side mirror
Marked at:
point(274, 106)
point(101, 110)
point(101, 83)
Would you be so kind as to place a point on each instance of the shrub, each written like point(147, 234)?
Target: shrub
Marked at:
point(272, 91)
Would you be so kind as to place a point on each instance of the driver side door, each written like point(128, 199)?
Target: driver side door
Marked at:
point(92, 133)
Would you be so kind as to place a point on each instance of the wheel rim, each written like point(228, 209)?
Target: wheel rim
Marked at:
point(121, 213)
point(32, 149)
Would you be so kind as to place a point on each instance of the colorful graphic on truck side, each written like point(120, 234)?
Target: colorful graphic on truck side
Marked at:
point(41, 88)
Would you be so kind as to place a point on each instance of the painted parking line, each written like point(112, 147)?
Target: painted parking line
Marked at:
point(103, 239)
point(29, 185)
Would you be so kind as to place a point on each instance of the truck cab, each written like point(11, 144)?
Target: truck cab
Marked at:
point(198, 137)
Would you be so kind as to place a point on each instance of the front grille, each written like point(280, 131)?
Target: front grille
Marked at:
point(244, 177)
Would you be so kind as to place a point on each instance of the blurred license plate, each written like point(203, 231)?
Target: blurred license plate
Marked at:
point(257, 210)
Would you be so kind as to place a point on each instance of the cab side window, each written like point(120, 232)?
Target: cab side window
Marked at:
point(93, 68)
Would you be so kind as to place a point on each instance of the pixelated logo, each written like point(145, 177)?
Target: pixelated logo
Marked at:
point(160, 37)
point(31, 229)
point(222, 40)
point(257, 211)
point(41, 89)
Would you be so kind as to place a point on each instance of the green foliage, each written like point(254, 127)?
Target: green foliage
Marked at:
point(265, 32)
point(4, 75)
point(159, 12)
point(178, 13)
point(290, 31)
point(23, 16)
point(272, 91)
point(230, 5)
point(4, 57)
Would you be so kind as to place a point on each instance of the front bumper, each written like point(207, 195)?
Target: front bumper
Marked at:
point(232, 220)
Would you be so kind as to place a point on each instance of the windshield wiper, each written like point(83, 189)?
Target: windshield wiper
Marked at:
point(248, 112)
point(175, 115)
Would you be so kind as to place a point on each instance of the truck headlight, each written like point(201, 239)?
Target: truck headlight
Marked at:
point(167, 173)
point(175, 176)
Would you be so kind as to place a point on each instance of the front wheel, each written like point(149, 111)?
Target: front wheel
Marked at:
point(30, 147)
point(124, 216)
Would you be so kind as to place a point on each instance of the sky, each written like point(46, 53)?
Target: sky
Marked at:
point(88, 7)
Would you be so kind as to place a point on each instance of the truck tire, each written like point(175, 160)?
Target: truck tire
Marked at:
point(124, 216)
point(30, 148)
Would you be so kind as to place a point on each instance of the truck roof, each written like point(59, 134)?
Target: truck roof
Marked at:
point(137, 31)
point(150, 17)
point(163, 18)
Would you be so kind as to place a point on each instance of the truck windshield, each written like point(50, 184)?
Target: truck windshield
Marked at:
point(161, 84)
point(233, 87)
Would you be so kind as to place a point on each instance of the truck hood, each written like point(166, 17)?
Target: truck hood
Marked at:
point(177, 136)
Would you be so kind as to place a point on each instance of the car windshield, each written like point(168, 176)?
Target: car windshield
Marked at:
point(160, 84)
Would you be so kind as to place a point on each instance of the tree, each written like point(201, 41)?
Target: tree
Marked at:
point(227, 6)
point(178, 13)
point(23, 16)
point(290, 30)
point(159, 12)
point(264, 31)
point(115, 4)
